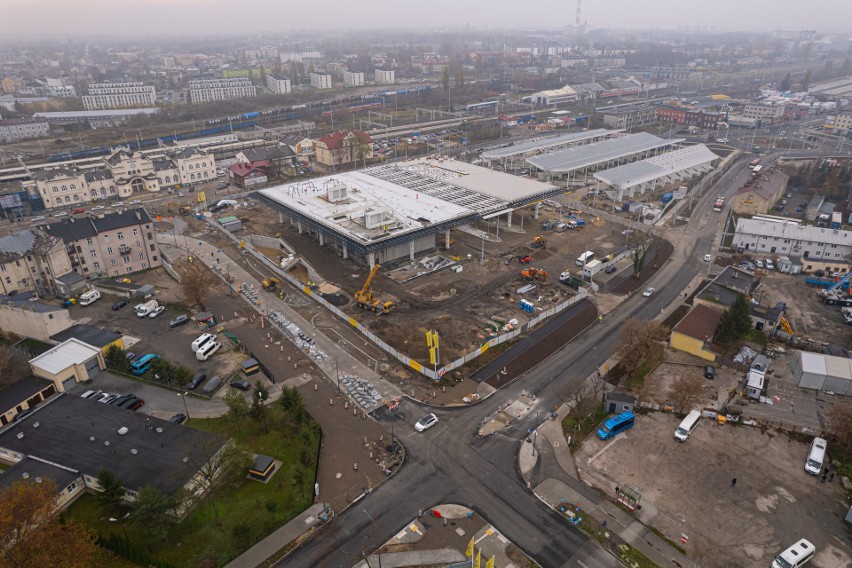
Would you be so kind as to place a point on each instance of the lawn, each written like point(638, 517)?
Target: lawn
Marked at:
point(248, 510)
point(579, 427)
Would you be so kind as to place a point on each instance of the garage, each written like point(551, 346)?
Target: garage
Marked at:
point(92, 367)
point(69, 362)
point(822, 372)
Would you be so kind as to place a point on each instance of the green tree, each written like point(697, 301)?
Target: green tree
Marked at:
point(251, 75)
point(828, 69)
point(460, 77)
point(786, 83)
point(238, 407)
point(116, 359)
point(154, 511)
point(445, 77)
point(292, 403)
point(740, 316)
point(263, 75)
point(259, 396)
point(112, 491)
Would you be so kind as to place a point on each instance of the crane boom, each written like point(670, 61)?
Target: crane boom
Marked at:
point(369, 280)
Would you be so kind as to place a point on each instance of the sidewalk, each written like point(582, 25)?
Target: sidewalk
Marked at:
point(566, 488)
point(346, 363)
point(258, 554)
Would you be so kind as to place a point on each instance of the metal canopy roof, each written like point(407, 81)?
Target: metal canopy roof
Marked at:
point(549, 142)
point(629, 175)
point(587, 155)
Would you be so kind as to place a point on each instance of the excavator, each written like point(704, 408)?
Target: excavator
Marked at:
point(539, 242)
point(270, 284)
point(522, 259)
point(534, 274)
point(785, 325)
point(364, 296)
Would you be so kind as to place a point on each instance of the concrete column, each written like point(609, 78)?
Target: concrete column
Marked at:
point(371, 259)
point(535, 211)
point(345, 251)
point(447, 239)
point(281, 217)
point(509, 220)
point(299, 224)
point(321, 237)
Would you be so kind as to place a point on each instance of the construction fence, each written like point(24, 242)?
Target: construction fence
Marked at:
point(426, 371)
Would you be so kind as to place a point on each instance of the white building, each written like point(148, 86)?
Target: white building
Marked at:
point(815, 246)
point(15, 129)
point(134, 94)
point(320, 81)
point(353, 79)
point(207, 90)
point(822, 372)
point(762, 111)
point(385, 77)
point(278, 85)
point(554, 96)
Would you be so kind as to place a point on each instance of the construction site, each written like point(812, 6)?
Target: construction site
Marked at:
point(468, 271)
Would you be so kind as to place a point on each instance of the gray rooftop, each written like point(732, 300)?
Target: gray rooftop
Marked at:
point(532, 146)
point(33, 470)
point(657, 167)
point(587, 155)
point(26, 242)
point(19, 391)
point(25, 302)
point(94, 336)
point(72, 229)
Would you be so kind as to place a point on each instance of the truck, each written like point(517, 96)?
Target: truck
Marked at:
point(667, 198)
point(836, 220)
point(592, 268)
point(142, 310)
point(576, 223)
point(824, 282)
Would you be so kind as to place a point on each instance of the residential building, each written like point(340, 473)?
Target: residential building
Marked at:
point(278, 85)
point(22, 395)
point(301, 145)
point(207, 90)
point(385, 77)
point(74, 439)
point(353, 79)
point(760, 193)
point(763, 112)
point(694, 333)
point(69, 363)
point(629, 117)
point(30, 261)
point(689, 117)
point(57, 88)
point(816, 246)
point(24, 317)
point(840, 123)
point(275, 157)
point(110, 245)
point(16, 129)
point(119, 95)
point(249, 174)
point(62, 186)
point(344, 148)
point(321, 81)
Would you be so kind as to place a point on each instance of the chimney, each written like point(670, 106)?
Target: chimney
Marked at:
point(138, 215)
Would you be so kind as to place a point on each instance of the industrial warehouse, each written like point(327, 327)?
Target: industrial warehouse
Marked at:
point(397, 211)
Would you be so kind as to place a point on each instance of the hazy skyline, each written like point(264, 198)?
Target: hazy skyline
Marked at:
point(204, 17)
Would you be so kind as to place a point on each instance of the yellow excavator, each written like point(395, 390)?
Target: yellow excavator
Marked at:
point(364, 296)
point(539, 242)
point(785, 325)
point(270, 284)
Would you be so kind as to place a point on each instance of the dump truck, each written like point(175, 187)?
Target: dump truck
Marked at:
point(539, 242)
point(534, 274)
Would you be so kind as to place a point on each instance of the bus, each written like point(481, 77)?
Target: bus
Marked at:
point(142, 364)
point(616, 425)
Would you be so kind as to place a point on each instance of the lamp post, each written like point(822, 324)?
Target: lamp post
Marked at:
point(378, 548)
point(185, 407)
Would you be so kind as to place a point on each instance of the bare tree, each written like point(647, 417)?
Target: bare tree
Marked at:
point(13, 365)
point(639, 340)
point(639, 242)
point(840, 424)
point(685, 392)
point(195, 283)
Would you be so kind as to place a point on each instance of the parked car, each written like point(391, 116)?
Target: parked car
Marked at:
point(135, 202)
point(426, 422)
point(759, 263)
point(610, 269)
point(241, 384)
point(61, 214)
point(38, 218)
point(708, 257)
point(179, 320)
point(119, 304)
point(77, 211)
point(97, 208)
point(196, 380)
point(648, 292)
point(178, 418)
point(157, 311)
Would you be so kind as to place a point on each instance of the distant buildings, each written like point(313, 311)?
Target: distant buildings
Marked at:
point(344, 148)
point(353, 79)
point(208, 90)
point(629, 117)
point(764, 112)
point(321, 81)
point(840, 123)
point(819, 248)
point(15, 129)
point(385, 77)
point(119, 95)
point(759, 194)
point(278, 85)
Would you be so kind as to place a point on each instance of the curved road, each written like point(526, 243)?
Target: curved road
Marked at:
point(449, 463)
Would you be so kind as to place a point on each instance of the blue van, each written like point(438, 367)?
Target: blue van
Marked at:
point(616, 425)
point(142, 364)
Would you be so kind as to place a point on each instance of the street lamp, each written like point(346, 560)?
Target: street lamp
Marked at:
point(378, 548)
point(185, 408)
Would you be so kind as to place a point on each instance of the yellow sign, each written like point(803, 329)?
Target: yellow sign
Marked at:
point(478, 559)
point(201, 197)
point(416, 366)
point(490, 563)
point(429, 338)
point(469, 552)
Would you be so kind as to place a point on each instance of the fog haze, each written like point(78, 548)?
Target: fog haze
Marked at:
point(203, 17)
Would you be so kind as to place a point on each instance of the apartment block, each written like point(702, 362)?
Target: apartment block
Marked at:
point(207, 90)
point(385, 77)
point(321, 81)
point(103, 96)
point(14, 129)
point(30, 261)
point(353, 79)
point(278, 85)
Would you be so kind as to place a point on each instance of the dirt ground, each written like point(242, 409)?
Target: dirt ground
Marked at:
point(457, 305)
point(686, 490)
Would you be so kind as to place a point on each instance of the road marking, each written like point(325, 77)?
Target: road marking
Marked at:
point(488, 533)
point(581, 564)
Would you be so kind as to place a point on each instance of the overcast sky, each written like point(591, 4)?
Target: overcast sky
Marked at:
point(194, 17)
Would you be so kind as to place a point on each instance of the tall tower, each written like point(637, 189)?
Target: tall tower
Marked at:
point(578, 22)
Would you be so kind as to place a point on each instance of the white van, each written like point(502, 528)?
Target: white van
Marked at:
point(816, 455)
point(89, 297)
point(201, 340)
point(585, 258)
point(207, 350)
point(796, 556)
point(142, 310)
point(687, 425)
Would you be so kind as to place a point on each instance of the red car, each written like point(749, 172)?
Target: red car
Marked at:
point(77, 211)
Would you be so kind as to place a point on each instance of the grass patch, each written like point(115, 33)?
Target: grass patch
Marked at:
point(580, 423)
point(248, 510)
point(672, 543)
point(649, 364)
point(633, 557)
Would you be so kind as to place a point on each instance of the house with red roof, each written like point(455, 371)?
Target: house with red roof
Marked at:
point(344, 147)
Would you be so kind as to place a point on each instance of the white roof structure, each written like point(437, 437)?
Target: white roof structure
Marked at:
point(67, 353)
point(81, 114)
point(535, 146)
point(580, 157)
point(661, 167)
point(764, 227)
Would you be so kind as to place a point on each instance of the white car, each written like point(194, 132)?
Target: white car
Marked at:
point(648, 292)
point(426, 422)
point(61, 214)
point(38, 218)
point(157, 311)
point(136, 202)
point(118, 204)
point(708, 257)
point(97, 208)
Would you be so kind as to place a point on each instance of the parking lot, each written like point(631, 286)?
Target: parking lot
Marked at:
point(686, 490)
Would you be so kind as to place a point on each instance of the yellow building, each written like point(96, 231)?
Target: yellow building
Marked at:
point(68, 363)
point(694, 333)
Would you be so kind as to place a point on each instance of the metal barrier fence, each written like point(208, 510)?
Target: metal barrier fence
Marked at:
point(401, 357)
